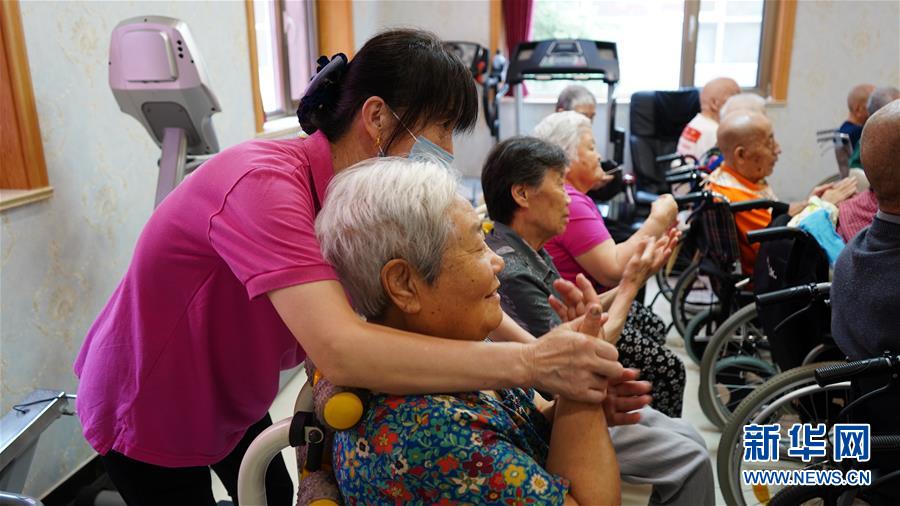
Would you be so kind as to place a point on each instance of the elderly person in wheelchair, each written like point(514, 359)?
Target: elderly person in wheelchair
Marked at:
point(523, 180)
point(750, 151)
point(586, 247)
point(412, 256)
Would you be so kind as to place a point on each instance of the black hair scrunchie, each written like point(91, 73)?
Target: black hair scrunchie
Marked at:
point(322, 90)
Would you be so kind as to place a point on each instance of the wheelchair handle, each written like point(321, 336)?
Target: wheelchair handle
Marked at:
point(886, 443)
point(674, 156)
point(811, 291)
point(683, 178)
point(859, 369)
point(693, 197)
point(774, 233)
point(749, 205)
point(682, 170)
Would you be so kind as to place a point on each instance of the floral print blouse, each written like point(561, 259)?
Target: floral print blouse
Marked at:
point(468, 448)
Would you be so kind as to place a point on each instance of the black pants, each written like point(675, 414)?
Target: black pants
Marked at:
point(146, 484)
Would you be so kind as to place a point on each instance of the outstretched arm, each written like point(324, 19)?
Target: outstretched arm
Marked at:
point(352, 352)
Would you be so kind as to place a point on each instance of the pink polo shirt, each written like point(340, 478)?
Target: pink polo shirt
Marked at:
point(187, 352)
point(585, 230)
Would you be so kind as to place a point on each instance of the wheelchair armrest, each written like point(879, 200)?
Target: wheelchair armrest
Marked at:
point(643, 198)
point(252, 473)
point(774, 233)
point(749, 205)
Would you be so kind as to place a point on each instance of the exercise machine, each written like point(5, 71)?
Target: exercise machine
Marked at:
point(158, 77)
point(569, 59)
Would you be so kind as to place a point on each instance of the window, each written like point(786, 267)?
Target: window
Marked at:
point(664, 44)
point(283, 53)
point(647, 34)
point(728, 41)
point(24, 175)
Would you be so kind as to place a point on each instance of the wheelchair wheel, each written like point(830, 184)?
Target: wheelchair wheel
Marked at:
point(667, 278)
point(735, 362)
point(788, 398)
point(698, 332)
point(692, 293)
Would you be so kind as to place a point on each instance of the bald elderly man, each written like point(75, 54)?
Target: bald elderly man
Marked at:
point(865, 291)
point(857, 101)
point(750, 151)
point(699, 136)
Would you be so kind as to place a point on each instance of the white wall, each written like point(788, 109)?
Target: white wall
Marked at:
point(836, 46)
point(62, 258)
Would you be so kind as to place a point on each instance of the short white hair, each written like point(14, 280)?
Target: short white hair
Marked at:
point(746, 102)
point(564, 129)
point(574, 95)
point(379, 210)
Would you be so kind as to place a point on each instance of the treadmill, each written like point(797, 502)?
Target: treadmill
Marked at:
point(573, 60)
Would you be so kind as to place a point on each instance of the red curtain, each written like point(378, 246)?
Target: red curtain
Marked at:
point(517, 24)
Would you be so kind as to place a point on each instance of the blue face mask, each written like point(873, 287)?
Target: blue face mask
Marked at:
point(424, 149)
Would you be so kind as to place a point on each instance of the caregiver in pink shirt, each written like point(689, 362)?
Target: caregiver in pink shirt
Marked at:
point(228, 286)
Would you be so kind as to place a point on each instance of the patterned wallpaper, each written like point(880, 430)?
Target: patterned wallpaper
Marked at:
point(62, 258)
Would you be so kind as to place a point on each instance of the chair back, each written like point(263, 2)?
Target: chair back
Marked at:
point(656, 120)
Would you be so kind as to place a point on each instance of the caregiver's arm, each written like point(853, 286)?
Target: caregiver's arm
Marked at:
point(352, 352)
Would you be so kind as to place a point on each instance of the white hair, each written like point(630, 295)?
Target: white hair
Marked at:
point(574, 95)
point(564, 129)
point(379, 210)
point(747, 102)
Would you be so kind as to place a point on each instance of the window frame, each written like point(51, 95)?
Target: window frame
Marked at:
point(776, 39)
point(279, 117)
point(34, 167)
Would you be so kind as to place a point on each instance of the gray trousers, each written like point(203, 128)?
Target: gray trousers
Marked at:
point(667, 453)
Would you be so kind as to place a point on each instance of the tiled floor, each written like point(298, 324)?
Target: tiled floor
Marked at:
point(631, 495)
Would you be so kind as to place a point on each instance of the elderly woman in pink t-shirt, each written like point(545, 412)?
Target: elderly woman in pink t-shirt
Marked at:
point(586, 247)
point(228, 286)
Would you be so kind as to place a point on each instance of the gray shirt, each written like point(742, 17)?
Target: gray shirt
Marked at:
point(865, 291)
point(526, 282)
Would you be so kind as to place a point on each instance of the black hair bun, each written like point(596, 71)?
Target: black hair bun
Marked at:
point(323, 90)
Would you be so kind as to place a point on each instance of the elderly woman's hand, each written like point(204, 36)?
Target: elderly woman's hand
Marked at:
point(626, 395)
point(572, 364)
point(664, 210)
point(641, 265)
point(576, 298)
point(664, 247)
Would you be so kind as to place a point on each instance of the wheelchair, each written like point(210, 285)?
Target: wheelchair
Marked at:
point(740, 354)
point(804, 394)
point(828, 393)
point(711, 288)
point(870, 380)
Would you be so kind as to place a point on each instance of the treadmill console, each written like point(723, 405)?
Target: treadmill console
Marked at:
point(565, 59)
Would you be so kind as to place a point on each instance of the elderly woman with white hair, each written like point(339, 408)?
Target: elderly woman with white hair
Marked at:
point(587, 248)
point(411, 254)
